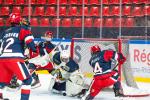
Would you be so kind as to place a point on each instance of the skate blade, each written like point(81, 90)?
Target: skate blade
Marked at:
point(36, 86)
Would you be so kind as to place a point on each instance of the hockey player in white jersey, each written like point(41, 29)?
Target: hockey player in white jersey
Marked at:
point(67, 79)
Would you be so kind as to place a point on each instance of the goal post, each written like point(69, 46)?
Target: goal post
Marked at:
point(80, 52)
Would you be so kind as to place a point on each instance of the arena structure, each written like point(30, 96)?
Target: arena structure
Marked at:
point(121, 25)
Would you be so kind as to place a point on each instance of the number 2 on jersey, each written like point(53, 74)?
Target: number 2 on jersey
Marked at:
point(97, 68)
point(9, 41)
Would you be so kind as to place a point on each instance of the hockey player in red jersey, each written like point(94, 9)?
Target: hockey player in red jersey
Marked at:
point(12, 57)
point(43, 48)
point(104, 74)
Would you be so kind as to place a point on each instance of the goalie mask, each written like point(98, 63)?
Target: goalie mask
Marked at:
point(64, 56)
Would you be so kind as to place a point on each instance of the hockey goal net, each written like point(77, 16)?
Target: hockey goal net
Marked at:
point(80, 52)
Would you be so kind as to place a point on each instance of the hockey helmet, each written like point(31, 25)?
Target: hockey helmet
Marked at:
point(48, 34)
point(95, 49)
point(64, 55)
point(15, 18)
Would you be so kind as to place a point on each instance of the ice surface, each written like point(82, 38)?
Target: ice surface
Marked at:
point(42, 93)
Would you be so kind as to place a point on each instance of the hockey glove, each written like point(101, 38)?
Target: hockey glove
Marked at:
point(121, 58)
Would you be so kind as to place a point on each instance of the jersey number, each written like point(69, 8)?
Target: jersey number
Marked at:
point(97, 68)
point(9, 41)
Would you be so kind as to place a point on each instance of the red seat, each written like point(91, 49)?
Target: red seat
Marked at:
point(94, 2)
point(114, 1)
point(16, 9)
point(105, 1)
point(73, 11)
point(126, 11)
point(62, 11)
point(116, 11)
point(81, 2)
point(73, 2)
point(146, 10)
point(77, 22)
point(145, 1)
point(126, 1)
point(39, 11)
point(2, 22)
point(136, 1)
point(98, 22)
point(4, 11)
point(50, 11)
point(129, 22)
point(27, 11)
point(94, 11)
point(52, 2)
point(88, 22)
point(1, 1)
point(106, 11)
point(20, 2)
point(44, 22)
point(33, 2)
point(86, 11)
point(8, 2)
point(119, 22)
point(137, 11)
point(108, 22)
point(55, 22)
point(66, 22)
point(41, 2)
point(34, 22)
point(62, 2)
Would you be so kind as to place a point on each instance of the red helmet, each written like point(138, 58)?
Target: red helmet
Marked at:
point(95, 49)
point(49, 33)
point(15, 18)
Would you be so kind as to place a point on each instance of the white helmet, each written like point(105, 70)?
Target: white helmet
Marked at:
point(64, 55)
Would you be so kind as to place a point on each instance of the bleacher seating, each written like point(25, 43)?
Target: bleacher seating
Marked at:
point(63, 2)
point(146, 10)
point(52, 2)
point(16, 9)
point(27, 11)
point(39, 11)
point(108, 22)
point(20, 2)
point(41, 2)
point(4, 11)
point(137, 11)
point(77, 22)
point(98, 22)
point(55, 22)
point(62, 11)
point(94, 11)
point(126, 11)
point(73, 2)
point(34, 22)
point(88, 22)
point(94, 2)
point(8, 2)
point(44, 22)
point(115, 11)
point(50, 11)
point(66, 22)
point(71, 11)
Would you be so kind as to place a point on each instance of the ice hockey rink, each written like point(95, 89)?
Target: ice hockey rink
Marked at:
point(42, 93)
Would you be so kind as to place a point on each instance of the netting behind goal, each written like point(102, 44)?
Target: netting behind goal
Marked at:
point(80, 51)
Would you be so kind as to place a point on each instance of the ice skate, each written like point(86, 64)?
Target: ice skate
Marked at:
point(36, 83)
